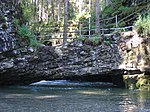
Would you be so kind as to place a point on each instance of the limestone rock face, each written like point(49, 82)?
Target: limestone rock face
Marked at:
point(135, 52)
point(7, 35)
point(28, 66)
point(85, 59)
point(75, 61)
point(119, 54)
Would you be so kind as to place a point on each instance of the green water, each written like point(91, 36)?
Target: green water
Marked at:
point(85, 97)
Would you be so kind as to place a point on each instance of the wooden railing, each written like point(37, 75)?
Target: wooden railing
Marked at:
point(51, 32)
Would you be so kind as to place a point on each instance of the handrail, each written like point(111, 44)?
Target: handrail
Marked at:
point(102, 29)
point(107, 18)
point(131, 14)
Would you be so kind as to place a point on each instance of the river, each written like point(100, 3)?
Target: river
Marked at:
point(64, 96)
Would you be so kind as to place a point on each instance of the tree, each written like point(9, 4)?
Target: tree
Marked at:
point(52, 8)
point(65, 21)
point(97, 16)
point(58, 15)
point(107, 2)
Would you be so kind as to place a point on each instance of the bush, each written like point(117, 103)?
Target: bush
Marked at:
point(94, 40)
point(142, 25)
point(15, 22)
point(25, 33)
point(26, 11)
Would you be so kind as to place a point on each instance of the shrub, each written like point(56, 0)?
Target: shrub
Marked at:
point(26, 11)
point(82, 38)
point(25, 33)
point(15, 22)
point(107, 41)
point(94, 40)
point(142, 25)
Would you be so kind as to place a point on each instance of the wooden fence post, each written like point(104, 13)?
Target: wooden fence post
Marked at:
point(80, 30)
point(116, 21)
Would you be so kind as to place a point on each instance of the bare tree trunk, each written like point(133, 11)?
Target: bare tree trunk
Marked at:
point(107, 2)
point(65, 21)
point(80, 7)
point(97, 16)
point(39, 10)
point(52, 4)
point(58, 16)
point(42, 7)
point(47, 11)
point(35, 5)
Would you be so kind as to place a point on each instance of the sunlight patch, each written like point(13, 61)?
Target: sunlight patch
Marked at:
point(45, 97)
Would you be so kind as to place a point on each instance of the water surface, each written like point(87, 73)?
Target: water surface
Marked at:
point(64, 96)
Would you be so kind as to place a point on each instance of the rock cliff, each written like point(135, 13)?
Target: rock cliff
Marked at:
point(124, 54)
point(7, 34)
point(77, 61)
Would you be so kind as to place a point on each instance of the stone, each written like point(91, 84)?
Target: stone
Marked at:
point(7, 65)
point(74, 61)
point(83, 53)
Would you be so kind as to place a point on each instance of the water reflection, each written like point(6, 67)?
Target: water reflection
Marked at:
point(72, 97)
point(45, 97)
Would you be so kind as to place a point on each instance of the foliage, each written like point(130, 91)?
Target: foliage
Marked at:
point(123, 8)
point(15, 22)
point(26, 11)
point(107, 41)
point(84, 20)
point(112, 9)
point(143, 83)
point(142, 25)
point(72, 13)
point(4, 26)
point(2, 19)
point(94, 40)
point(19, 22)
point(25, 33)
point(82, 38)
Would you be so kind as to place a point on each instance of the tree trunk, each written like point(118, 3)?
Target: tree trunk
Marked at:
point(65, 21)
point(58, 16)
point(80, 7)
point(107, 2)
point(52, 4)
point(35, 5)
point(47, 10)
point(97, 16)
point(39, 10)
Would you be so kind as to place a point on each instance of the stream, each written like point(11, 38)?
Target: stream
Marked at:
point(65, 96)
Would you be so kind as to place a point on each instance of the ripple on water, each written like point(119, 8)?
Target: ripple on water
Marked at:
point(62, 96)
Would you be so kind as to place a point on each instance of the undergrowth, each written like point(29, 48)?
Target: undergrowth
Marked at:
point(142, 25)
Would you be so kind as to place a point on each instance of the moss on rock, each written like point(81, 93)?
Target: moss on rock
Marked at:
point(137, 81)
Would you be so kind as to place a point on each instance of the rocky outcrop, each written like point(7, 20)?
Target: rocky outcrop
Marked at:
point(125, 55)
point(75, 61)
point(7, 35)
point(28, 66)
point(82, 60)
point(78, 61)
point(135, 52)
